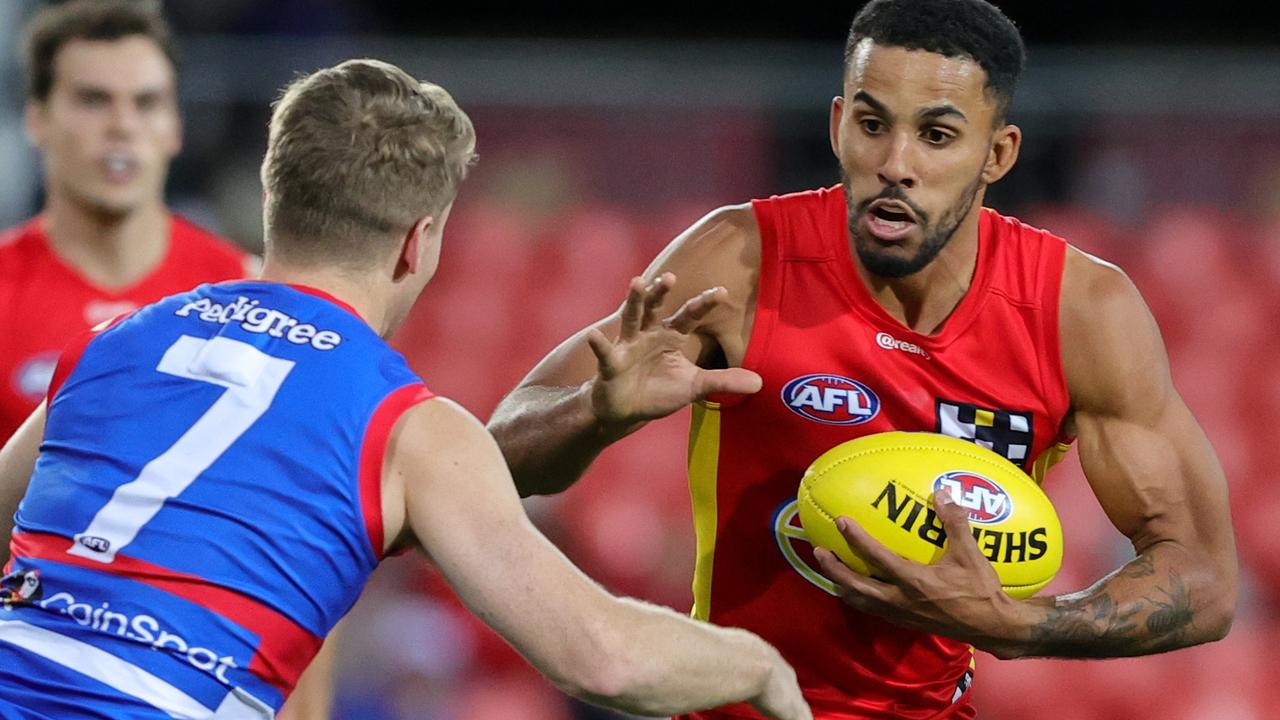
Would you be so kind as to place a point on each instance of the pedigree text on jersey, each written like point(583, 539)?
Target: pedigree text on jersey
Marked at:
point(261, 320)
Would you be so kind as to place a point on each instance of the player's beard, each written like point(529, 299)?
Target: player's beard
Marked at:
point(881, 263)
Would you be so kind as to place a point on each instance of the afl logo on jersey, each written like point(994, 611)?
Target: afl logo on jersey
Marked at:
point(94, 543)
point(985, 500)
point(831, 399)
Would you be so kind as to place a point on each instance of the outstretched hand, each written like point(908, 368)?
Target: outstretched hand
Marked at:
point(958, 596)
point(644, 374)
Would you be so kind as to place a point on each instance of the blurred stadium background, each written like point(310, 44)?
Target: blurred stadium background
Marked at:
point(1152, 139)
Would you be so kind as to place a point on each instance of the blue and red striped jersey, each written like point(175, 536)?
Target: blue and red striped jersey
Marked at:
point(205, 507)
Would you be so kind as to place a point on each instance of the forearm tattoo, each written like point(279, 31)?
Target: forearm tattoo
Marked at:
point(1098, 623)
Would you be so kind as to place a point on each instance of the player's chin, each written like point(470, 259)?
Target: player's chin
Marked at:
point(889, 261)
point(116, 201)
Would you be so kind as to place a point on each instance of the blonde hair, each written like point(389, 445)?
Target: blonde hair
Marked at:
point(357, 153)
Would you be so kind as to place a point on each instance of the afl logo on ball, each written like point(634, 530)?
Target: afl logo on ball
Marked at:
point(985, 500)
point(831, 399)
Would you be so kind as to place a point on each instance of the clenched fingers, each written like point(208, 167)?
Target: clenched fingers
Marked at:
point(860, 591)
point(871, 550)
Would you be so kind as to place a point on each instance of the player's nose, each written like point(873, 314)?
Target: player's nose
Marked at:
point(125, 118)
point(896, 167)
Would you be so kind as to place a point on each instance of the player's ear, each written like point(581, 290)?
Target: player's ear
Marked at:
point(1004, 153)
point(415, 248)
point(837, 114)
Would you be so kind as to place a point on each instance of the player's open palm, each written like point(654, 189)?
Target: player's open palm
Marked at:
point(644, 374)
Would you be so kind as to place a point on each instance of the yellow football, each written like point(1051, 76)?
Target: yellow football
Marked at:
point(885, 483)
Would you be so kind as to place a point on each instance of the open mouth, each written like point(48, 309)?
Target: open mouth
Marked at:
point(888, 221)
point(120, 167)
point(890, 215)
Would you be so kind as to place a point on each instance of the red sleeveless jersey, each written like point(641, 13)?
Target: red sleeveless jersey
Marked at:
point(837, 366)
point(45, 302)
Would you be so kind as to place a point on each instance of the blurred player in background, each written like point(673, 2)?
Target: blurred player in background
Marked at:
point(895, 301)
point(215, 476)
point(102, 109)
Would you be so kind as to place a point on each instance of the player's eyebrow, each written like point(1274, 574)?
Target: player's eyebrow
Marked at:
point(88, 90)
point(865, 97)
point(85, 88)
point(931, 113)
point(943, 110)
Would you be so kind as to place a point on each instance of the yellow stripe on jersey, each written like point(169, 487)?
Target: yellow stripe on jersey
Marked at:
point(704, 459)
point(1051, 456)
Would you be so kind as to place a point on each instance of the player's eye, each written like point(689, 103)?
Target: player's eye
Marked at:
point(871, 126)
point(937, 136)
point(91, 98)
point(147, 102)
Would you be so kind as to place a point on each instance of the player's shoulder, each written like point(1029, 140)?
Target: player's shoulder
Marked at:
point(721, 249)
point(1113, 355)
point(1090, 283)
point(441, 414)
point(1012, 229)
point(1092, 289)
point(432, 423)
point(734, 230)
point(727, 233)
point(207, 247)
point(725, 225)
point(9, 236)
point(19, 245)
point(1105, 327)
point(19, 236)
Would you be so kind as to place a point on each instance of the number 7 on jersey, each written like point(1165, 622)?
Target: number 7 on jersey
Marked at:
point(252, 379)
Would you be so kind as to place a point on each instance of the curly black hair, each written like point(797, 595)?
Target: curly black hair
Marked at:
point(973, 29)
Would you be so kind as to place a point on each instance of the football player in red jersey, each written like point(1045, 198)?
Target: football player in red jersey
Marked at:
point(102, 109)
point(895, 301)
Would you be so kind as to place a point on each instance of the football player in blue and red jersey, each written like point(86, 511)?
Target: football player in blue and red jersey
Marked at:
point(213, 477)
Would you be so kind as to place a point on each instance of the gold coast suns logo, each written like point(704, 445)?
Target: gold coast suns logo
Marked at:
point(795, 547)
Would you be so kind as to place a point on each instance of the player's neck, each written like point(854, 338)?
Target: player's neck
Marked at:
point(111, 251)
point(924, 300)
point(355, 292)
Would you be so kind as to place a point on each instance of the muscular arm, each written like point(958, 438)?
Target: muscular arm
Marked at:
point(17, 462)
point(1154, 473)
point(447, 489)
point(562, 415)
